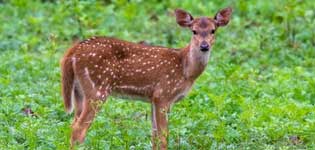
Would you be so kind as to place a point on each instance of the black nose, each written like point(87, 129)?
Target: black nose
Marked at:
point(204, 46)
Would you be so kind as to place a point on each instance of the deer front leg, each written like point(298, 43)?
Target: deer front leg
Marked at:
point(159, 125)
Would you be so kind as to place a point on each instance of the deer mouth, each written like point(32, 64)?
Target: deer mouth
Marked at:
point(204, 49)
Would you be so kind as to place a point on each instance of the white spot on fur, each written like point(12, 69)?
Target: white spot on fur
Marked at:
point(98, 93)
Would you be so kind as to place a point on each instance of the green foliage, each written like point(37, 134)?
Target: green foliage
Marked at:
point(258, 91)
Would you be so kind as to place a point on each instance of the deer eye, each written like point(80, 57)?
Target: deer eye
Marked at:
point(212, 31)
point(194, 32)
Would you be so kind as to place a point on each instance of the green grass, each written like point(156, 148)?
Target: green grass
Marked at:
point(258, 91)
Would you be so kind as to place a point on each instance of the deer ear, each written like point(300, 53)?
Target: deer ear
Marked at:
point(223, 17)
point(183, 18)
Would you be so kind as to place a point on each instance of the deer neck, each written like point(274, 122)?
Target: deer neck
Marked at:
point(194, 62)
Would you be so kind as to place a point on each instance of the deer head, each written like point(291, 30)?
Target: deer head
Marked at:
point(203, 28)
point(203, 37)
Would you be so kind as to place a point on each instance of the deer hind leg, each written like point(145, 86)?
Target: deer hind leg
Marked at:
point(93, 98)
point(90, 107)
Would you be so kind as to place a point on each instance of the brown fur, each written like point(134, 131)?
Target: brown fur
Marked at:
point(100, 66)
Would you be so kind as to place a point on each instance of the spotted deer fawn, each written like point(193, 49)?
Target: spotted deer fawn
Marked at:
point(99, 67)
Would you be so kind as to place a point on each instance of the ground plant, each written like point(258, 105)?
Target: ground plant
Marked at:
point(258, 91)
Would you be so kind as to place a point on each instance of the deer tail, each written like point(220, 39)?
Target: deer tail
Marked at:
point(67, 80)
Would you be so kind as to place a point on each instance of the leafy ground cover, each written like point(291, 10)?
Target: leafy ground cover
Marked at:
point(258, 91)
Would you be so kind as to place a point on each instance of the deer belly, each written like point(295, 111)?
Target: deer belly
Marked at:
point(133, 92)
